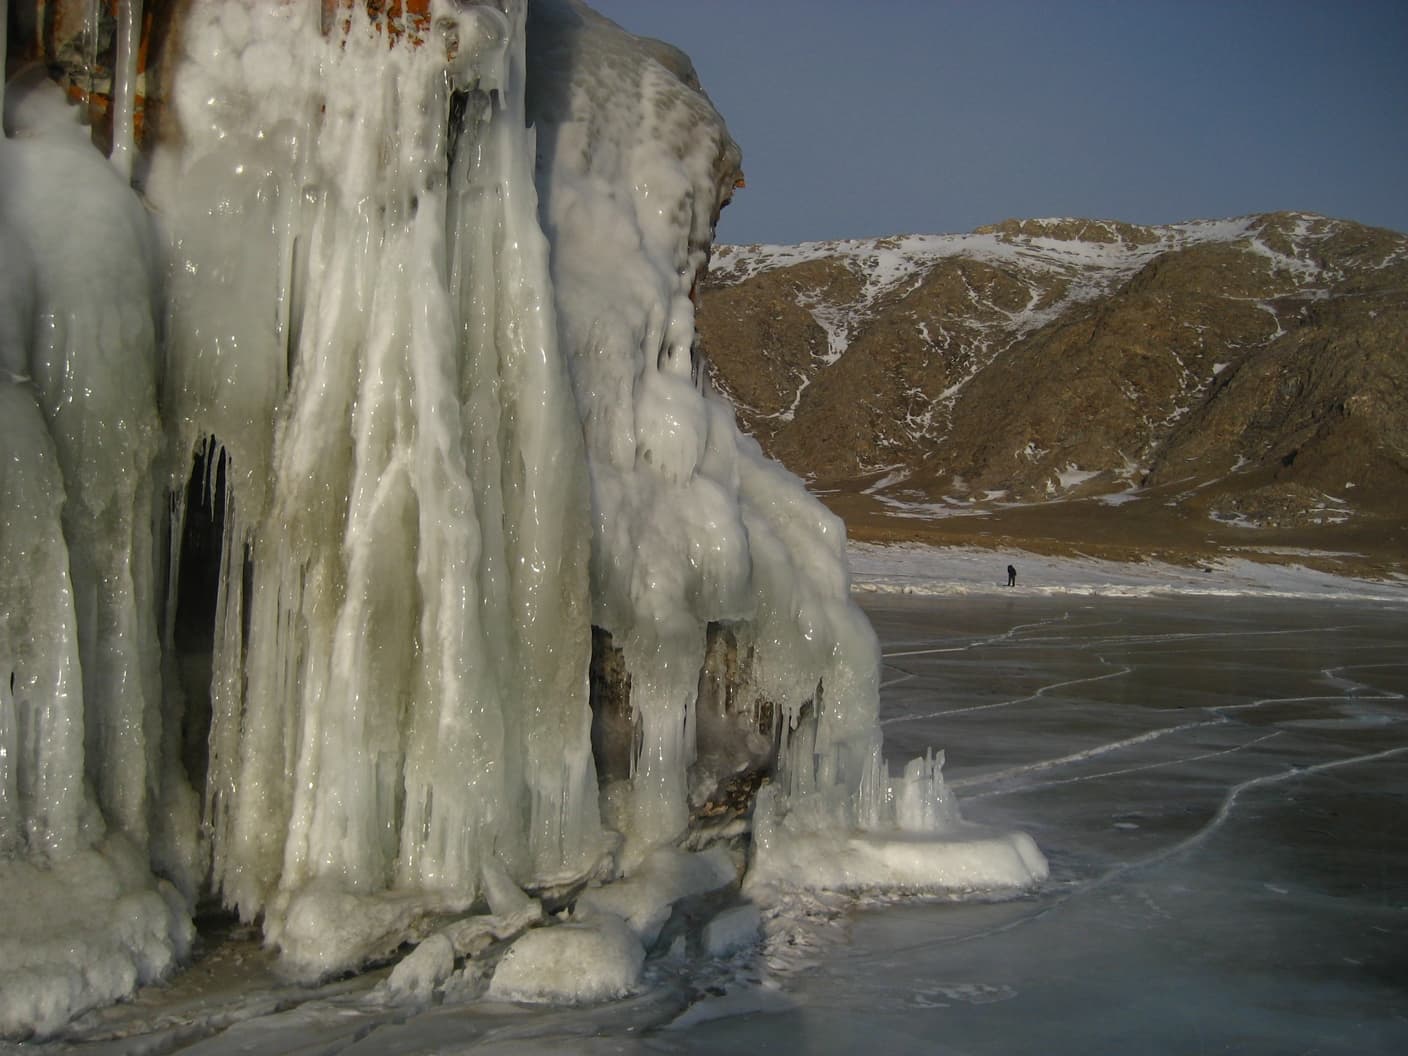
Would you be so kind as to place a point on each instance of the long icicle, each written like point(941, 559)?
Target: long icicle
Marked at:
point(124, 87)
point(4, 49)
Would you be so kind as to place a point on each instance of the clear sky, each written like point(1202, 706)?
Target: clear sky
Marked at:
point(935, 116)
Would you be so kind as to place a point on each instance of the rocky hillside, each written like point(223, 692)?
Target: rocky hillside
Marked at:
point(1203, 386)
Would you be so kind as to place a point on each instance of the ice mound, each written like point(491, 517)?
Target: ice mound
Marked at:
point(645, 898)
point(593, 959)
point(354, 469)
point(910, 837)
point(966, 860)
point(83, 931)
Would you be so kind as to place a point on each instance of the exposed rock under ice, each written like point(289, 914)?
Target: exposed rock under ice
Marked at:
point(415, 298)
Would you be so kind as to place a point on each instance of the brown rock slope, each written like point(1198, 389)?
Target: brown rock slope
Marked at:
point(1237, 385)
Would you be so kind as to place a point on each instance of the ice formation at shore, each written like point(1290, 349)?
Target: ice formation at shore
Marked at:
point(416, 299)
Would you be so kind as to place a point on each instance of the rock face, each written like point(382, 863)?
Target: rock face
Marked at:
point(1246, 372)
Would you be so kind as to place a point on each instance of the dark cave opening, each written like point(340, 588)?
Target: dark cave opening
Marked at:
point(200, 522)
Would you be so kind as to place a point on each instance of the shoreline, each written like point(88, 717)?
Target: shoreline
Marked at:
point(926, 569)
point(1368, 549)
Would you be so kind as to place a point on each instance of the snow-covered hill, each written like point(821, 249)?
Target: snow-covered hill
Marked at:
point(1242, 372)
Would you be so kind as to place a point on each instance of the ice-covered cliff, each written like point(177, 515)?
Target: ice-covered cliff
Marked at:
point(411, 290)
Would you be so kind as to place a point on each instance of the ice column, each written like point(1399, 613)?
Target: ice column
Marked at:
point(90, 365)
point(691, 524)
point(409, 702)
point(41, 693)
point(88, 795)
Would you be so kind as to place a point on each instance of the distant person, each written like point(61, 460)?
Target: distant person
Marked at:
point(1011, 576)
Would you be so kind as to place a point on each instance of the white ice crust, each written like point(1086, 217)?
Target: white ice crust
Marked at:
point(581, 961)
point(442, 360)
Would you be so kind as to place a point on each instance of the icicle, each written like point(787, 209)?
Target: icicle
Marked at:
point(92, 30)
point(124, 88)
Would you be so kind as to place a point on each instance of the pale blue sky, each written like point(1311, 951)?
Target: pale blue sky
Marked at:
point(898, 116)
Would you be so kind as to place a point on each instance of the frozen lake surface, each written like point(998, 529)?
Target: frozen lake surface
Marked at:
point(1220, 784)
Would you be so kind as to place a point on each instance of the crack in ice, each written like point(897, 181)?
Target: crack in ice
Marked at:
point(1007, 703)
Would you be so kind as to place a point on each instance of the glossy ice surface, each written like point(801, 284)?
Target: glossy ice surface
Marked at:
point(1219, 785)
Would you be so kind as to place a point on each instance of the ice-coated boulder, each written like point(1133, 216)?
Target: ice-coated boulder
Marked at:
point(595, 959)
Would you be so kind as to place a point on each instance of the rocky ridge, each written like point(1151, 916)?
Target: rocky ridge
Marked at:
point(1194, 388)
